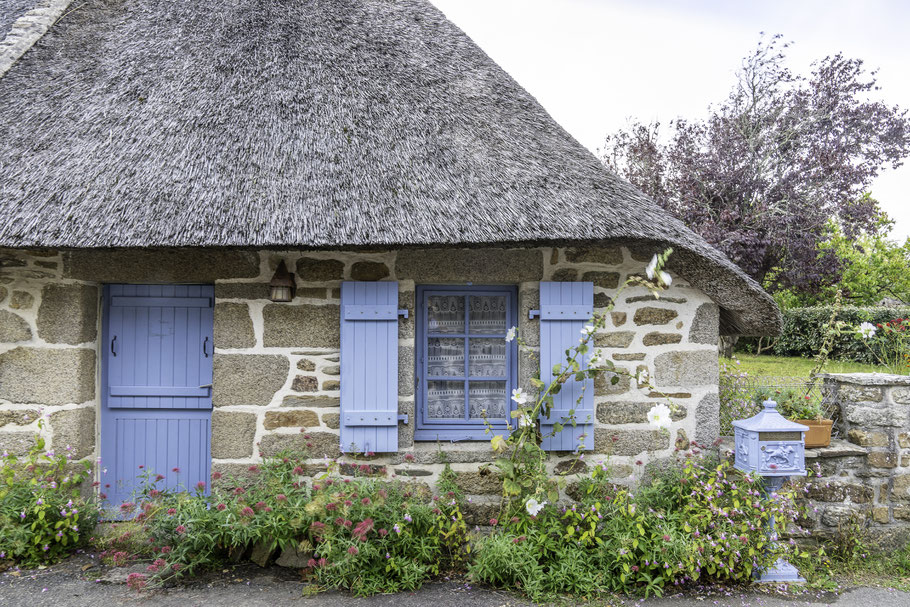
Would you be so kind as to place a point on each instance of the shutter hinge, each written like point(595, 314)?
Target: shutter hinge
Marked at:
point(403, 312)
point(403, 417)
point(533, 313)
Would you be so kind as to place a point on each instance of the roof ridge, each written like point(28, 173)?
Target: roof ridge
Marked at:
point(28, 29)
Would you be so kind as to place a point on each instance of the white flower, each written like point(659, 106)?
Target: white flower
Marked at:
point(519, 396)
point(510, 336)
point(867, 330)
point(596, 359)
point(665, 278)
point(534, 507)
point(524, 420)
point(659, 416)
point(587, 330)
point(652, 266)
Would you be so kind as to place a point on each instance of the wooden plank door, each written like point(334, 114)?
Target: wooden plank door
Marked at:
point(156, 387)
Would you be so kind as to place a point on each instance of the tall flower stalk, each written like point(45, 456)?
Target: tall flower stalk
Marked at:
point(526, 484)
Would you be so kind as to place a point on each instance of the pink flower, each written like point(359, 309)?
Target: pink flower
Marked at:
point(165, 549)
point(311, 563)
point(200, 485)
point(365, 501)
point(260, 505)
point(281, 497)
point(220, 507)
point(180, 529)
point(383, 532)
point(216, 475)
point(159, 477)
point(175, 469)
point(247, 511)
point(171, 511)
point(493, 522)
point(409, 457)
point(353, 550)
point(362, 529)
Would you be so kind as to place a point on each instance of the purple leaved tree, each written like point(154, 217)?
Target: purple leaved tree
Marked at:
point(761, 176)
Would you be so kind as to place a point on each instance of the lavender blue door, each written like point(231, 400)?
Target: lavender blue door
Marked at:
point(156, 402)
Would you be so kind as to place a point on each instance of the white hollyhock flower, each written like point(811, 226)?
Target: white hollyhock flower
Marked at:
point(524, 420)
point(867, 330)
point(510, 336)
point(534, 507)
point(596, 359)
point(665, 278)
point(587, 330)
point(519, 396)
point(659, 416)
point(651, 268)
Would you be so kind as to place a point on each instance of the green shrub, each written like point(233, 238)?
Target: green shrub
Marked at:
point(43, 517)
point(700, 521)
point(805, 328)
point(365, 535)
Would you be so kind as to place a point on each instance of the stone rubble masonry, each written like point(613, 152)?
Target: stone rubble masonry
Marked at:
point(277, 365)
point(867, 475)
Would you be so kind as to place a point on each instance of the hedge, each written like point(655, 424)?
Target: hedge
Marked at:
point(804, 332)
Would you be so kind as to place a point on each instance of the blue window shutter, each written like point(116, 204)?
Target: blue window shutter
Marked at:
point(369, 367)
point(565, 308)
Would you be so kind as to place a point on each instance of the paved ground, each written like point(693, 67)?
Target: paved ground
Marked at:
point(74, 583)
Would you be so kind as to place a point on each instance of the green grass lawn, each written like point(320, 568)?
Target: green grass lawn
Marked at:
point(759, 365)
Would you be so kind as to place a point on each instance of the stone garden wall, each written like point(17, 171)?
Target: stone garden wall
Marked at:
point(868, 473)
point(276, 383)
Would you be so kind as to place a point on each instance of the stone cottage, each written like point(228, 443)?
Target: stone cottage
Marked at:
point(229, 229)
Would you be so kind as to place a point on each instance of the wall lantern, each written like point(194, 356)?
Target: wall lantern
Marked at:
point(282, 286)
point(773, 447)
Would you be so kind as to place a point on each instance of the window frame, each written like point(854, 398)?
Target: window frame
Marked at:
point(426, 430)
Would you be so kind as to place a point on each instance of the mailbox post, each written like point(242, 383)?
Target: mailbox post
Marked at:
point(773, 447)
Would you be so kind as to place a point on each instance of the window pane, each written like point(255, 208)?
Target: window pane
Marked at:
point(445, 357)
point(445, 314)
point(487, 357)
point(445, 400)
point(488, 314)
point(489, 396)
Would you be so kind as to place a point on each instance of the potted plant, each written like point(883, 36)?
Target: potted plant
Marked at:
point(806, 410)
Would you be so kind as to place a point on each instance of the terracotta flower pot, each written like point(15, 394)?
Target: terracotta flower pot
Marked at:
point(819, 433)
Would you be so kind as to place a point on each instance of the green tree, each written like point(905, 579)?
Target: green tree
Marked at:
point(873, 267)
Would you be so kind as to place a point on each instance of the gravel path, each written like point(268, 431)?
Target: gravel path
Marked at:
point(80, 582)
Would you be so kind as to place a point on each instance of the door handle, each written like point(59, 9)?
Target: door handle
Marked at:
point(205, 351)
point(113, 352)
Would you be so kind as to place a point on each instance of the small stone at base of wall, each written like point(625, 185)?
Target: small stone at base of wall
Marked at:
point(629, 442)
point(74, 429)
point(317, 444)
point(483, 481)
point(16, 443)
point(232, 434)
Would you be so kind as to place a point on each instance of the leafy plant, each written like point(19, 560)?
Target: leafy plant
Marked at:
point(43, 515)
point(889, 342)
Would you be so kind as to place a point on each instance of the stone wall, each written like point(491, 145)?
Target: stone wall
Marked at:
point(276, 383)
point(868, 473)
point(49, 327)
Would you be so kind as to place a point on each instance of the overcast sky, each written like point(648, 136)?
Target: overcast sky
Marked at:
point(594, 64)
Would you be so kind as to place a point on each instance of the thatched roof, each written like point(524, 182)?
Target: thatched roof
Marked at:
point(303, 123)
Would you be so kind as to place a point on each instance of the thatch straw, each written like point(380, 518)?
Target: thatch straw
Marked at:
point(305, 123)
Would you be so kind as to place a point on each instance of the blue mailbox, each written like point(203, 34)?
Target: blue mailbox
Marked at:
point(773, 447)
point(769, 444)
